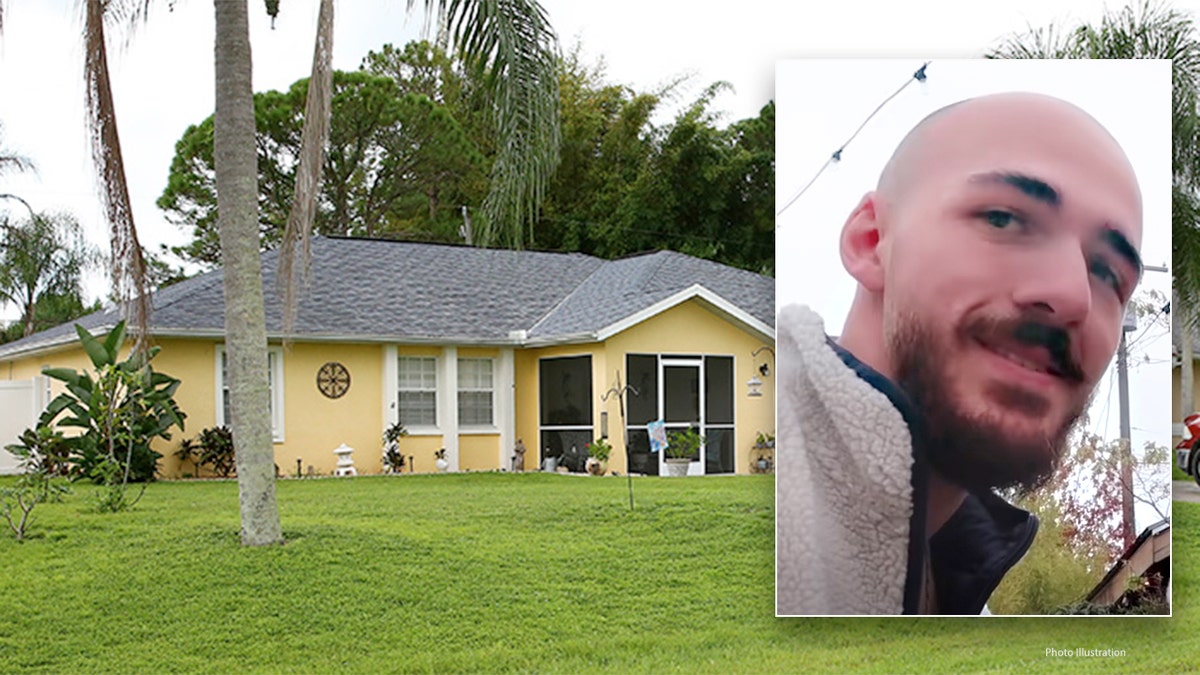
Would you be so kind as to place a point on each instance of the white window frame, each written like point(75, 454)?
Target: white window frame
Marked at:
point(489, 427)
point(422, 429)
point(275, 375)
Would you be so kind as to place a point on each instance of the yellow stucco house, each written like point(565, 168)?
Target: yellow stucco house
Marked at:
point(472, 350)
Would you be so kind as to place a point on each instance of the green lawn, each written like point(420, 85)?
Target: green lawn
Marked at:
point(494, 573)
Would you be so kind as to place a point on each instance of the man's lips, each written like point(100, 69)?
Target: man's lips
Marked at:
point(1036, 360)
point(1036, 348)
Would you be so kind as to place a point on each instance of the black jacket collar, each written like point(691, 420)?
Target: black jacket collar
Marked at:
point(973, 551)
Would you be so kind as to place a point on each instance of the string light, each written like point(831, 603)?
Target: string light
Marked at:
point(919, 76)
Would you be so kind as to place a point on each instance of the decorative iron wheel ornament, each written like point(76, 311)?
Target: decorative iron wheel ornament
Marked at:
point(333, 379)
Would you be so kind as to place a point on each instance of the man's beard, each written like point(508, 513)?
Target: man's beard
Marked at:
point(975, 450)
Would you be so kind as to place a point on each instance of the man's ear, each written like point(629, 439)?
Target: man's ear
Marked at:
point(860, 244)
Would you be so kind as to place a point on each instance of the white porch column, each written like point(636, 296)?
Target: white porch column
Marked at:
point(391, 386)
point(506, 415)
point(448, 404)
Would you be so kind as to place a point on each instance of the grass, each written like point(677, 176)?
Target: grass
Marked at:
point(493, 573)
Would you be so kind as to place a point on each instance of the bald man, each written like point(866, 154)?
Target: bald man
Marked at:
point(994, 262)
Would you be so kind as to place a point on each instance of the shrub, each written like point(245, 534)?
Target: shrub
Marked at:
point(119, 412)
point(393, 461)
point(48, 446)
point(215, 449)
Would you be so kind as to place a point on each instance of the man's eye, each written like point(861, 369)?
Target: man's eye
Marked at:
point(1104, 272)
point(1001, 219)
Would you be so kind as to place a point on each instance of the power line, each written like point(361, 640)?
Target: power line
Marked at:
point(919, 76)
point(1149, 325)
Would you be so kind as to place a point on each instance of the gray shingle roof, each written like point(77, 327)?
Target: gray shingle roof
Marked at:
point(402, 291)
point(619, 288)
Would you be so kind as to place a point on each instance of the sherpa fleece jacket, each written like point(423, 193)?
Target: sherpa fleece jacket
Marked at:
point(851, 492)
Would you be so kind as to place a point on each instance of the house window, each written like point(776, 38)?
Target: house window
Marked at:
point(565, 395)
point(475, 392)
point(274, 383)
point(417, 377)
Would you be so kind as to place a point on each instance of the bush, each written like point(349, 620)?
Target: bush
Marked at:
point(47, 445)
point(215, 446)
point(119, 411)
point(393, 460)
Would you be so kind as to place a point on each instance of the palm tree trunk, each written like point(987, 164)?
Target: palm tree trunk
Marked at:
point(245, 322)
point(128, 266)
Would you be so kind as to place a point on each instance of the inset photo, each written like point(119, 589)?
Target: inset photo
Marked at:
point(974, 337)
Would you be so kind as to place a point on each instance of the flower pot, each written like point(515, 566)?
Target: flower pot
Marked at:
point(677, 467)
point(596, 467)
point(442, 465)
point(550, 464)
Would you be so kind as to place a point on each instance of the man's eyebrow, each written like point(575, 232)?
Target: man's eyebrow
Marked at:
point(1035, 188)
point(1119, 243)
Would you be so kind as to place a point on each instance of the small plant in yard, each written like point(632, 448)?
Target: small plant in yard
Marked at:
point(762, 440)
point(684, 444)
point(34, 486)
point(189, 451)
point(215, 449)
point(393, 461)
point(119, 411)
point(112, 496)
point(599, 449)
point(49, 447)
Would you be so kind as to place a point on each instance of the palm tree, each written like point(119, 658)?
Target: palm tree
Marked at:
point(512, 40)
point(1146, 31)
point(128, 268)
point(42, 256)
point(245, 320)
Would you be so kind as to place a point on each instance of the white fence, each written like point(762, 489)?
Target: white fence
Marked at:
point(21, 401)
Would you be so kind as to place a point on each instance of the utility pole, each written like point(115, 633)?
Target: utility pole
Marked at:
point(1126, 451)
point(1127, 523)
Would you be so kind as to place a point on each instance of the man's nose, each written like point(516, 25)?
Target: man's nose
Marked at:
point(1057, 283)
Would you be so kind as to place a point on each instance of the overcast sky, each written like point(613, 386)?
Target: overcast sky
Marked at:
point(811, 127)
point(163, 81)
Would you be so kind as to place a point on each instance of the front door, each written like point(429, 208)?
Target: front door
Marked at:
point(682, 403)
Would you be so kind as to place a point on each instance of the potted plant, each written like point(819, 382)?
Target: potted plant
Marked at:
point(681, 447)
point(598, 452)
point(763, 458)
point(393, 461)
point(440, 460)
